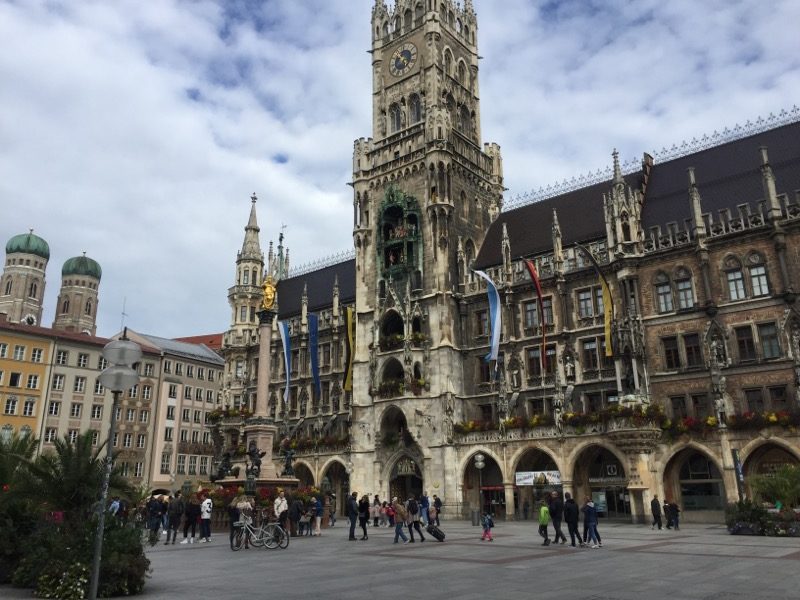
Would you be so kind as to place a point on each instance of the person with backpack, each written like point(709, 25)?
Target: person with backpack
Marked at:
point(390, 513)
point(175, 513)
point(413, 518)
point(487, 523)
point(399, 515)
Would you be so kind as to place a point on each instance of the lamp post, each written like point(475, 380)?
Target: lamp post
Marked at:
point(479, 464)
point(119, 376)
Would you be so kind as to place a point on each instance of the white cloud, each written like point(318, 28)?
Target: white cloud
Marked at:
point(136, 131)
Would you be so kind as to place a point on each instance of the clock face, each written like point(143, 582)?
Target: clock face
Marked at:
point(403, 59)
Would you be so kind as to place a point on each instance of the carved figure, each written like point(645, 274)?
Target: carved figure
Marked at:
point(288, 470)
point(255, 455)
point(569, 367)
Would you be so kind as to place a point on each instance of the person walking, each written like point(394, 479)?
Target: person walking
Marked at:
point(317, 510)
point(375, 511)
point(390, 514)
point(424, 507)
point(281, 509)
point(674, 515)
point(233, 519)
point(331, 510)
point(295, 512)
point(399, 514)
point(192, 516)
point(544, 521)
point(175, 513)
point(364, 508)
point(205, 519)
point(571, 514)
point(487, 523)
point(590, 521)
point(412, 506)
point(154, 510)
point(668, 514)
point(655, 508)
point(437, 504)
point(557, 514)
point(352, 514)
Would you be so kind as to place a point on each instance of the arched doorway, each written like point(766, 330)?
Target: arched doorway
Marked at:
point(483, 488)
point(536, 477)
point(693, 481)
point(405, 478)
point(600, 475)
point(303, 473)
point(765, 460)
point(335, 482)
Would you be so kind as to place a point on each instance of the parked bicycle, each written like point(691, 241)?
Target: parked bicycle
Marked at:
point(266, 535)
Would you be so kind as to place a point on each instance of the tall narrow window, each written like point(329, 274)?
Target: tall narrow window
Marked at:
point(672, 358)
point(683, 287)
point(34, 290)
point(758, 281)
point(395, 118)
point(768, 334)
point(88, 309)
point(8, 287)
point(65, 306)
point(415, 109)
point(745, 343)
point(694, 355)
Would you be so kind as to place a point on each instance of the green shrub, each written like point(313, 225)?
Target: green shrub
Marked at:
point(70, 584)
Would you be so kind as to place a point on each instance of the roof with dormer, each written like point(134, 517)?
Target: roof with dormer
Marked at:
point(727, 175)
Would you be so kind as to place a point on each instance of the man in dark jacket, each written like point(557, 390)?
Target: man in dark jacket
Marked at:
point(352, 514)
point(295, 512)
point(557, 514)
point(655, 508)
point(571, 518)
point(175, 512)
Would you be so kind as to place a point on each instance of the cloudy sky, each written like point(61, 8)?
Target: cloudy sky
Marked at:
point(137, 131)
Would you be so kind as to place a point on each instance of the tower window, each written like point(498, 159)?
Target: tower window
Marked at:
point(245, 277)
point(415, 109)
point(448, 62)
point(88, 309)
point(395, 118)
point(65, 306)
point(34, 290)
point(8, 287)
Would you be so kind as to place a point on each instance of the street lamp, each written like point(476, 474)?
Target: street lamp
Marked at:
point(479, 464)
point(119, 376)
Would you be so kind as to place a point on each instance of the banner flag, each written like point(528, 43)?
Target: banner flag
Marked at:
point(535, 278)
point(313, 342)
point(283, 327)
point(494, 316)
point(608, 300)
point(349, 349)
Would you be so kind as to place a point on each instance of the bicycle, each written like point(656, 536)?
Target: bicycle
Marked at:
point(244, 532)
point(275, 536)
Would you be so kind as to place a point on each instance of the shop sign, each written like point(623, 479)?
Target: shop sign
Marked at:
point(608, 481)
point(538, 478)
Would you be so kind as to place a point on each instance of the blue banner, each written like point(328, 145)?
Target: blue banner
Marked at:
point(494, 316)
point(283, 327)
point(313, 342)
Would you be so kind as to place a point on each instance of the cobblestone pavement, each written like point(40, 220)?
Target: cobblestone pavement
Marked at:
point(699, 562)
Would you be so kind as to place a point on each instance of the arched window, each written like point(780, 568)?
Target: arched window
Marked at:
point(734, 278)
point(65, 306)
point(397, 25)
point(462, 73)
point(88, 309)
point(448, 63)
point(664, 302)
point(464, 120)
point(34, 290)
point(255, 277)
point(759, 284)
point(395, 117)
point(386, 28)
point(418, 12)
point(407, 19)
point(246, 277)
point(415, 108)
point(683, 288)
point(8, 287)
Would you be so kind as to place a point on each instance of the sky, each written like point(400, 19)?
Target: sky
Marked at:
point(137, 131)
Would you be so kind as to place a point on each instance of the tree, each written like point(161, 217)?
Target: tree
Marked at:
point(782, 486)
point(15, 452)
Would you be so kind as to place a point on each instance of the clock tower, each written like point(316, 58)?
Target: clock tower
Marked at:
point(425, 192)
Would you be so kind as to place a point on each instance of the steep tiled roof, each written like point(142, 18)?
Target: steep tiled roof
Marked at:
point(212, 340)
point(185, 349)
point(727, 175)
point(320, 289)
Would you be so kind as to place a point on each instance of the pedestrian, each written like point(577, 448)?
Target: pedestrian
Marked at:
point(487, 523)
point(205, 519)
point(317, 510)
point(390, 514)
point(164, 512)
point(586, 530)
point(412, 507)
point(655, 508)
point(154, 510)
point(571, 515)
point(668, 514)
point(191, 517)
point(331, 510)
point(424, 508)
point(557, 514)
point(437, 504)
point(175, 513)
point(281, 509)
point(399, 516)
point(544, 521)
point(675, 515)
point(384, 520)
point(590, 521)
point(375, 511)
point(233, 519)
point(295, 512)
point(113, 508)
point(526, 508)
point(304, 525)
point(363, 514)
point(352, 514)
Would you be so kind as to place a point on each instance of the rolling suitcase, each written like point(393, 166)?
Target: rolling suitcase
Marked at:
point(435, 532)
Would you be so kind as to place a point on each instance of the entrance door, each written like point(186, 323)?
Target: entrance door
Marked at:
point(406, 479)
point(618, 503)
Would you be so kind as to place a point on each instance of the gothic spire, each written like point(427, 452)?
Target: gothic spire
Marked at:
point(617, 169)
point(251, 247)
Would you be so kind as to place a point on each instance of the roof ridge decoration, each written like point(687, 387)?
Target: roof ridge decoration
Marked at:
point(718, 138)
point(324, 262)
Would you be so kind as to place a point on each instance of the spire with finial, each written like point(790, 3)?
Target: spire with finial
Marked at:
point(558, 250)
point(697, 209)
point(251, 247)
point(304, 309)
point(770, 191)
point(617, 170)
point(335, 298)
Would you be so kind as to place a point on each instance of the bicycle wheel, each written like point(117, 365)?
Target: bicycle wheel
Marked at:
point(271, 536)
point(257, 537)
point(238, 539)
point(284, 541)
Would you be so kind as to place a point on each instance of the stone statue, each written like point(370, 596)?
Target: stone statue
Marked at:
point(224, 467)
point(254, 455)
point(288, 456)
point(569, 367)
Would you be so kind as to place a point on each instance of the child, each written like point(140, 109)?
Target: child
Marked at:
point(544, 521)
point(487, 523)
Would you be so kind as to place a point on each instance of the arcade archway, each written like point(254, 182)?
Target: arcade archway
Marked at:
point(536, 477)
point(303, 473)
point(335, 482)
point(600, 475)
point(483, 489)
point(695, 482)
point(765, 460)
point(405, 478)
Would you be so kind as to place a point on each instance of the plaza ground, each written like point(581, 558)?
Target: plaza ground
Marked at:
point(699, 562)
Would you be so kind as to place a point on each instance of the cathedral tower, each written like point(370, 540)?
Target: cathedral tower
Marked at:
point(76, 309)
point(423, 187)
point(22, 285)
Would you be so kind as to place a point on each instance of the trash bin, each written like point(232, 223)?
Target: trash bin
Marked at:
point(476, 518)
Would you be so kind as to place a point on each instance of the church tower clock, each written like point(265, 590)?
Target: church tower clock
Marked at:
point(425, 192)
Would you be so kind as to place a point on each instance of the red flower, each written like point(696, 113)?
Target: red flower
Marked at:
point(6, 487)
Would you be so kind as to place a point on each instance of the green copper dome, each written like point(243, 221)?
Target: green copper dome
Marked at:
point(28, 243)
point(82, 265)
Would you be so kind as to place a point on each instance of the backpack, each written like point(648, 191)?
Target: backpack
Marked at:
point(413, 508)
